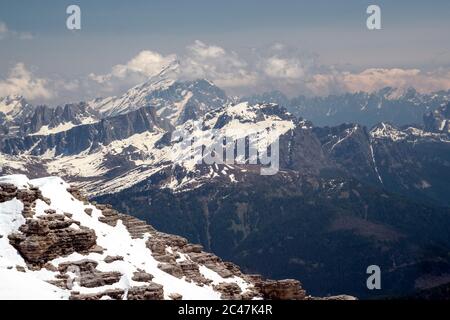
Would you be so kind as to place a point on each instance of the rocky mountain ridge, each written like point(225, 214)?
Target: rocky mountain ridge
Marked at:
point(366, 108)
point(337, 188)
point(57, 245)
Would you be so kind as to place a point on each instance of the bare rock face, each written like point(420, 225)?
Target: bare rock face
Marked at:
point(141, 276)
point(158, 244)
point(84, 265)
point(172, 269)
point(115, 294)
point(48, 237)
point(7, 192)
point(189, 248)
point(151, 291)
point(214, 263)
point(171, 240)
point(111, 259)
point(109, 217)
point(175, 296)
point(27, 196)
point(137, 228)
point(98, 279)
point(87, 274)
point(230, 291)
point(281, 289)
point(192, 272)
point(77, 194)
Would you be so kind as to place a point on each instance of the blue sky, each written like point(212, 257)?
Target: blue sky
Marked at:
point(415, 34)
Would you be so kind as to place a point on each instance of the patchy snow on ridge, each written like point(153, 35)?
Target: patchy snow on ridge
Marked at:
point(412, 134)
point(115, 241)
point(136, 97)
point(12, 106)
point(45, 130)
point(142, 155)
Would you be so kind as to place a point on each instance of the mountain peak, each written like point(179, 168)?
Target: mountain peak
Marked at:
point(175, 101)
point(13, 105)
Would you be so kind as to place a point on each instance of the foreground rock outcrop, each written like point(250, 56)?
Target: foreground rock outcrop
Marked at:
point(76, 250)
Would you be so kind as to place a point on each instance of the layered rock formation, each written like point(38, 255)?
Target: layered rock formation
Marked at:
point(88, 251)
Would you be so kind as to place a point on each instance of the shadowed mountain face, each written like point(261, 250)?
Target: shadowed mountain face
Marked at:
point(437, 120)
point(324, 231)
point(82, 137)
point(18, 118)
point(345, 196)
point(408, 161)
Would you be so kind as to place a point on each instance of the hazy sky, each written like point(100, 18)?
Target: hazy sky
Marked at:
point(313, 38)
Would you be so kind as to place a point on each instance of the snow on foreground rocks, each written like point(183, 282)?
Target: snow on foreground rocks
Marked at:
point(54, 244)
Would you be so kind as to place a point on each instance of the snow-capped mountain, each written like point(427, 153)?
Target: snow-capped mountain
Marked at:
point(13, 109)
point(54, 244)
point(139, 164)
point(12, 106)
point(135, 97)
point(438, 120)
point(18, 118)
point(120, 151)
point(175, 101)
point(400, 107)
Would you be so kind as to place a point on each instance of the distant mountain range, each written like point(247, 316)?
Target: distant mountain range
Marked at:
point(386, 105)
point(364, 178)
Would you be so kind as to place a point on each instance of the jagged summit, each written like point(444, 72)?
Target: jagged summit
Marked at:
point(126, 149)
point(409, 133)
point(175, 100)
point(12, 105)
point(54, 244)
point(13, 110)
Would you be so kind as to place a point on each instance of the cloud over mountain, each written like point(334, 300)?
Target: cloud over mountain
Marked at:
point(22, 81)
point(276, 67)
point(374, 79)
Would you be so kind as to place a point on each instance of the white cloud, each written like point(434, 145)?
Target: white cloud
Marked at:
point(146, 64)
point(6, 33)
point(223, 67)
point(143, 66)
point(200, 60)
point(377, 78)
point(21, 81)
point(3, 28)
point(203, 51)
point(276, 67)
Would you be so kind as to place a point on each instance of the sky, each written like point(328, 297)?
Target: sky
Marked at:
point(248, 46)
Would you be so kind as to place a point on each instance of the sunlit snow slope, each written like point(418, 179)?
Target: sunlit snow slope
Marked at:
point(56, 245)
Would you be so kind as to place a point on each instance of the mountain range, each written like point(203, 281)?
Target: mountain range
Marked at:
point(363, 177)
point(399, 107)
